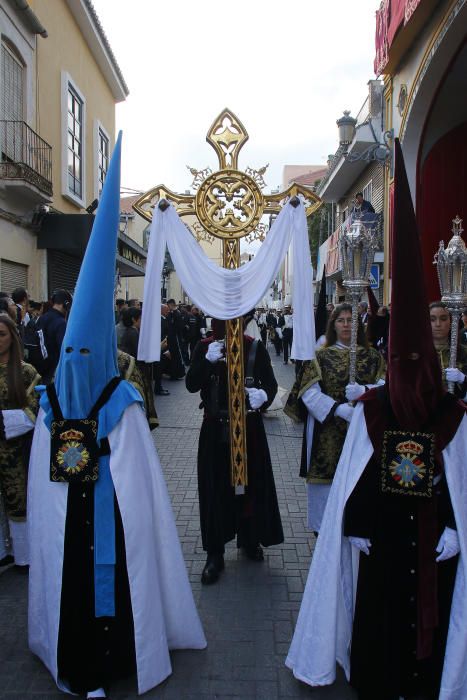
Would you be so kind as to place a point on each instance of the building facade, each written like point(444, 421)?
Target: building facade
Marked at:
point(422, 57)
point(60, 83)
point(25, 154)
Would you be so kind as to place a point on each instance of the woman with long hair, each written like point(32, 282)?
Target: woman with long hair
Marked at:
point(18, 410)
point(441, 328)
point(321, 395)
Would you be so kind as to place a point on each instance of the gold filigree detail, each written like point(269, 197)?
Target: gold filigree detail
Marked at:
point(227, 136)
point(237, 415)
point(199, 176)
point(200, 233)
point(259, 234)
point(257, 175)
point(183, 203)
point(229, 203)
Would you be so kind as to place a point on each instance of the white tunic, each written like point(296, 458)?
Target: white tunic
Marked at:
point(164, 612)
point(324, 627)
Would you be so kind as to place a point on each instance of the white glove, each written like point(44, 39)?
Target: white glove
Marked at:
point(354, 391)
point(448, 545)
point(257, 397)
point(361, 543)
point(344, 411)
point(215, 351)
point(455, 375)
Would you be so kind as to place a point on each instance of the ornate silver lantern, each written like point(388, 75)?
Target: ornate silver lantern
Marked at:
point(451, 263)
point(357, 247)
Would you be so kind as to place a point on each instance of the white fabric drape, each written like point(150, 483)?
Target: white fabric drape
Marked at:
point(227, 294)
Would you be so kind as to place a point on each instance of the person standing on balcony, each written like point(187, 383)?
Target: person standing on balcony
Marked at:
point(362, 206)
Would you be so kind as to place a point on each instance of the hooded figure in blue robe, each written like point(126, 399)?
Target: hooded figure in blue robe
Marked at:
point(109, 593)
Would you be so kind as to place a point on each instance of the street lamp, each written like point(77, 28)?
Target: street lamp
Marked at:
point(357, 246)
point(380, 151)
point(451, 263)
point(346, 126)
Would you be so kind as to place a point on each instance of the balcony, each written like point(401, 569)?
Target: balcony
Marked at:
point(25, 162)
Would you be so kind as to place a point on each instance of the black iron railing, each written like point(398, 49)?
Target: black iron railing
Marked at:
point(24, 155)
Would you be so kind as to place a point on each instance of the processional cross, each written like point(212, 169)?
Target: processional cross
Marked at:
point(228, 204)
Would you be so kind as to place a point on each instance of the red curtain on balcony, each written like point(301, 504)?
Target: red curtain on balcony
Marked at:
point(381, 38)
point(442, 194)
point(396, 19)
point(391, 16)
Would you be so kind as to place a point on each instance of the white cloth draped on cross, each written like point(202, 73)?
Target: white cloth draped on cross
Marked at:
point(227, 294)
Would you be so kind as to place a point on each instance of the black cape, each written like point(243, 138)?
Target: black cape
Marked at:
point(253, 517)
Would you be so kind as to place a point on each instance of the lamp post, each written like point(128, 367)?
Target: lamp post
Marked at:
point(357, 247)
point(451, 263)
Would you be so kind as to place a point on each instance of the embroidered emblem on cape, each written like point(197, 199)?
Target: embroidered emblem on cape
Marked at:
point(72, 456)
point(74, 451)
point(407, 463)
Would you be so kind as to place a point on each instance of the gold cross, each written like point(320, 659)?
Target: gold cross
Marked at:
point(229, 204)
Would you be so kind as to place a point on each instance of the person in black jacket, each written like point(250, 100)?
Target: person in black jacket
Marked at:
point(195, 323)
point(254, 516)
point(53, 325)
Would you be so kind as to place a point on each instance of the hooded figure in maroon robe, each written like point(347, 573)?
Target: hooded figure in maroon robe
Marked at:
point(397, 513)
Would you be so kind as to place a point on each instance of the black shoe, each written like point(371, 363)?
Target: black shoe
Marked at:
point(255, 552)
point(162, 392)
point(6, 561)
point(212, 569)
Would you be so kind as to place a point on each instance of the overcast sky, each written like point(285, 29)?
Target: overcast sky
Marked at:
point(287, 69)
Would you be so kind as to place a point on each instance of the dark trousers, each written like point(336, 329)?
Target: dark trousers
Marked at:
point(287, 336)
point(277, 342)
point(157, 376)
point(184, 351)
point(193, 344)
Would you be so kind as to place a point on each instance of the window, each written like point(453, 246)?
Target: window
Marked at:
point(11, 105)
point(75, 143)
point(103, 159)
point(12, 82)
point(368, 192)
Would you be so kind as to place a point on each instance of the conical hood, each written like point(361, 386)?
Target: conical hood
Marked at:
point(373, 303)
point(321, 314)
point(88, 358)
point(415, 385)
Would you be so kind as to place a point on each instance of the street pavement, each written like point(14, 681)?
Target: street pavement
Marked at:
point(248, 616)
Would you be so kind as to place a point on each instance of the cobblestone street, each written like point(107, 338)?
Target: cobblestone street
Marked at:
point(248, 616)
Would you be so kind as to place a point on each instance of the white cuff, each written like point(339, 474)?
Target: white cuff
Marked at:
point(317, 403)
point(16, 423)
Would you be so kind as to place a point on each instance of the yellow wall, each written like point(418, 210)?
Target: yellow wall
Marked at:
point(66, 50)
